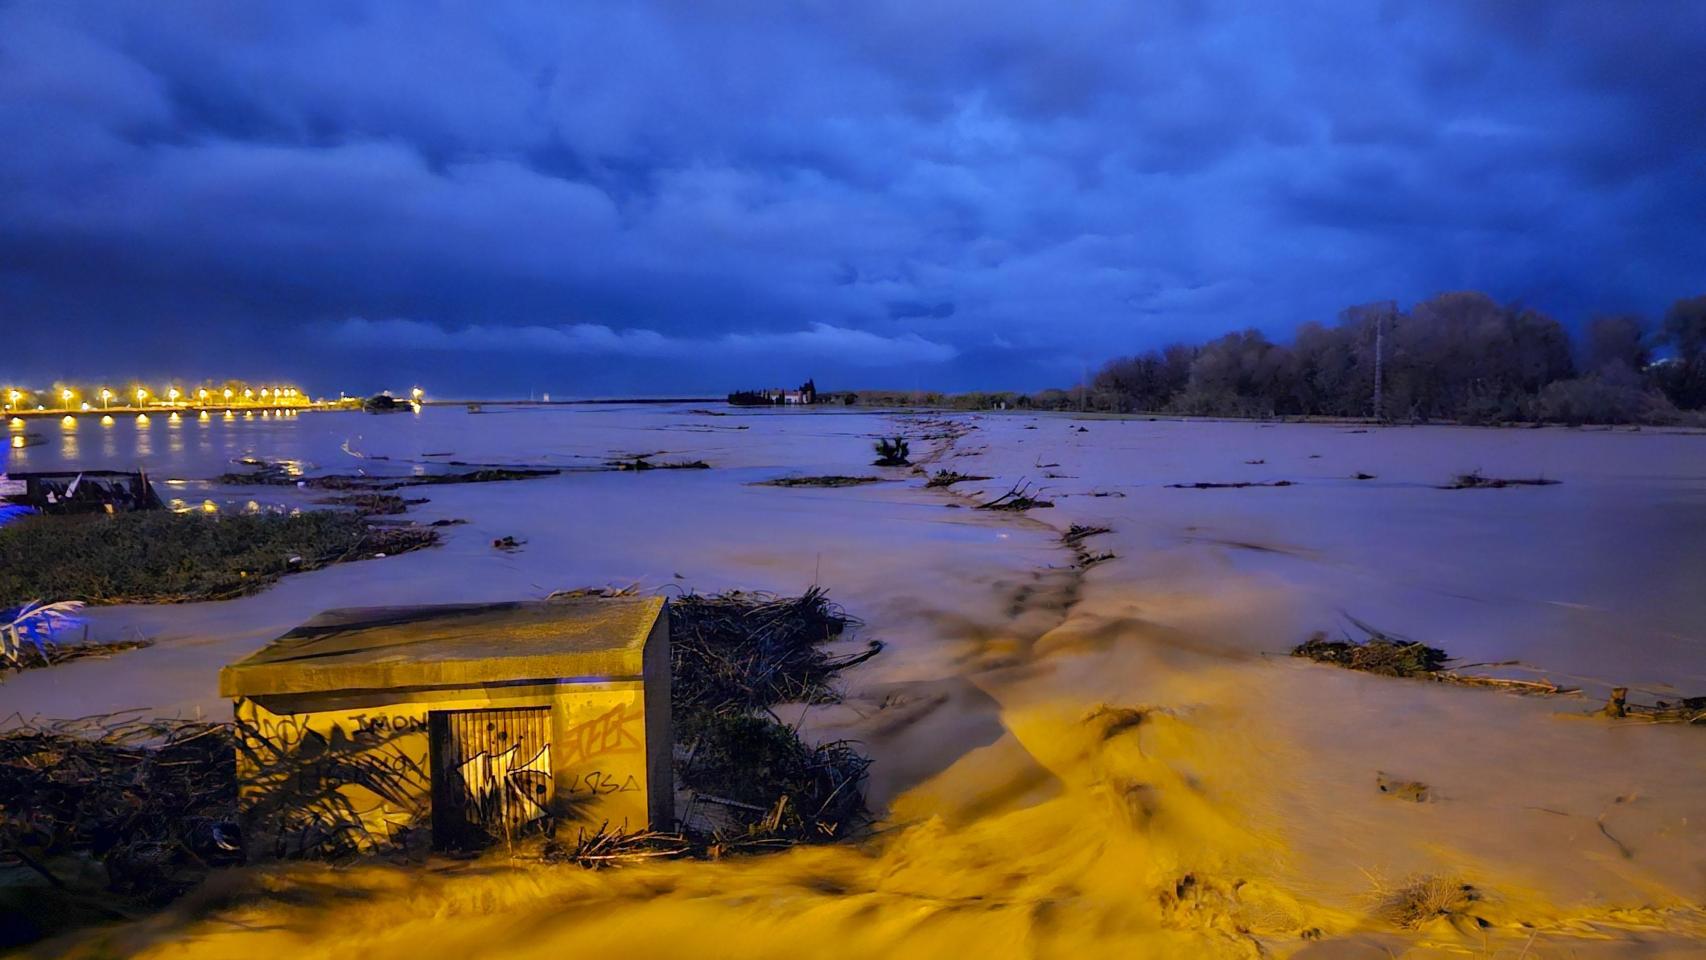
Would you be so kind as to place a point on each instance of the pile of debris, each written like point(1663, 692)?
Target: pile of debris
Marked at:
point(753, 782)
point(1378, 654)
point(1389, 655)
point(154, 801)
point(947, 478)
point(1475, 481)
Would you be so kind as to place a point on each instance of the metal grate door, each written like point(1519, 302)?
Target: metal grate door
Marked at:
point(491, 774)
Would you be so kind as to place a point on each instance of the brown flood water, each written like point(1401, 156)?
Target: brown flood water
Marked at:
point(1112, 762)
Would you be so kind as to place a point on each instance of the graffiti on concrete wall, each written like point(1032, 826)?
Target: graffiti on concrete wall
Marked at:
point(615, 731)
point(500, 782)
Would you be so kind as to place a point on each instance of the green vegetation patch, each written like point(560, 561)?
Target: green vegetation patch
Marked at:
point(162, 557)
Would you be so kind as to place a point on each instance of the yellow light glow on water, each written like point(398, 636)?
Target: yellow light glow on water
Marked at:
point(18, 441)
point(17, 423)
point(106, 420)
point(174, 418)
point(203, 415)
point(69, 422)
point(142, 419)
point(229, 415)
point(250, 415)
point(208, 506)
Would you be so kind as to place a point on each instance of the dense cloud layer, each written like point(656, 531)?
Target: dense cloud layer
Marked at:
point(691, 196)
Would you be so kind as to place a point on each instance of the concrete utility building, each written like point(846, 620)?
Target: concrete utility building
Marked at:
point(366, 727)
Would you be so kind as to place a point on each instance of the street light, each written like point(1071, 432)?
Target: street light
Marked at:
point(172, 394)
point(227, 393)
point(141, 395)
point(66, 396)
point(14, 396)
point(106, 398)
point(202, 393)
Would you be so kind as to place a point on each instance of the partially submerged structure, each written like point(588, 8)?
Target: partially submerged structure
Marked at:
point(80, 491)
point(469, 724)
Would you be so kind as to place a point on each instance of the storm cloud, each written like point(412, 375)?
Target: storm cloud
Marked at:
point(633, 197)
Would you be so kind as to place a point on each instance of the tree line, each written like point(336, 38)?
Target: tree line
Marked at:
point(1458, 356)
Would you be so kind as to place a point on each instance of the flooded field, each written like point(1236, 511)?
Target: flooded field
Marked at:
point(1114, 758)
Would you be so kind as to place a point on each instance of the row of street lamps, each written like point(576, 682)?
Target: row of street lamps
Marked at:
point(275, 395)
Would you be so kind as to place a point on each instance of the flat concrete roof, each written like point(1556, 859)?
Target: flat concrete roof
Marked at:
point(368, 648)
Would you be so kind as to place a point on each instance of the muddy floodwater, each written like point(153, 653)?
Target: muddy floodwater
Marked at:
point(1114, 759)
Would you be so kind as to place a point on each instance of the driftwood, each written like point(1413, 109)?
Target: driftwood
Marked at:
point(1689, 710)
point(1016, 499)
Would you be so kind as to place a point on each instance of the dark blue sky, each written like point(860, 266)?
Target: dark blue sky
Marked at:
point(630, 197)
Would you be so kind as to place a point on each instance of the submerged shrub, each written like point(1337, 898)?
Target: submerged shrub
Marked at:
point(892, 452)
